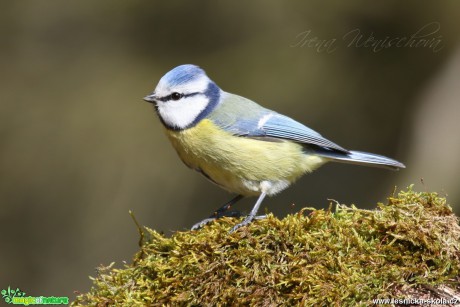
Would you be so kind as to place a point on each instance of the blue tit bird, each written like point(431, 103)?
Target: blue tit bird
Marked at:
point(239, 145)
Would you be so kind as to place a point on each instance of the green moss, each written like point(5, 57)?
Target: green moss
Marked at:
point(344, 256)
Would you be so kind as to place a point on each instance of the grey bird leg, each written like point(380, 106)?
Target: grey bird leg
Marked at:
point(251, 215)
point(220, 212)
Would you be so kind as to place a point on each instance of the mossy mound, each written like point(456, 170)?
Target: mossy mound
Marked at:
point(407, 248)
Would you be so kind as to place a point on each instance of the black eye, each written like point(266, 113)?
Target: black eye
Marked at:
point(176, 96)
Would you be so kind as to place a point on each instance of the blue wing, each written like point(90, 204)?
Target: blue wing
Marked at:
point(283, 127)
point(243, 117)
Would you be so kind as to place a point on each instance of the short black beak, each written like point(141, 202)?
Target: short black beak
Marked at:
point(151, 98)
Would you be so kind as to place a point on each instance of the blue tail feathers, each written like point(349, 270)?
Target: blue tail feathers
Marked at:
point(362, 158)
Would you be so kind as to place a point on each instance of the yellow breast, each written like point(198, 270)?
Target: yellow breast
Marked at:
point(241, 164)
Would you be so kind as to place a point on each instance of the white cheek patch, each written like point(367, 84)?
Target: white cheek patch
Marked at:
point(182, 112)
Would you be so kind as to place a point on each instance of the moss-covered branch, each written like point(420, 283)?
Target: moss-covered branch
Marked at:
point(408, 248)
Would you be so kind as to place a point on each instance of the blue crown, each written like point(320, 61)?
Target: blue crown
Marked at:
point(182, 74)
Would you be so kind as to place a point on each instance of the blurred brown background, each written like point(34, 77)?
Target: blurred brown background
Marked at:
point(79, 147)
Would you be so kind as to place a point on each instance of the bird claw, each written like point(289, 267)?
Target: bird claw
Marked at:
point(247, 221)
point(243, 223)
point(215, 216)
point(202, 223)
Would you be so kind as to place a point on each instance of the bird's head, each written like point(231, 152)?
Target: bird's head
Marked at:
point(184, 96)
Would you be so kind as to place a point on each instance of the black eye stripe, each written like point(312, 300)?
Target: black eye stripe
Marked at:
point(170, 97)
